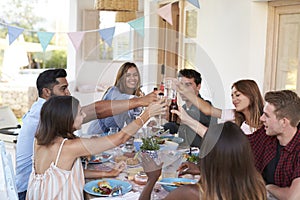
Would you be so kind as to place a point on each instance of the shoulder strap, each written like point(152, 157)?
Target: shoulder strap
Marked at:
point(33, 147)
point(200, 190)
point(59, 151)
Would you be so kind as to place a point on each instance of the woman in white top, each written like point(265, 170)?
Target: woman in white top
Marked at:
point(247, 100)
point(57, 170)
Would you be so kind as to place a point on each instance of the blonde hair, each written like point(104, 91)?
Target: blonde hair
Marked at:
point(120, 83)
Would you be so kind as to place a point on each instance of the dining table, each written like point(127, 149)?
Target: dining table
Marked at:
point(128, 175)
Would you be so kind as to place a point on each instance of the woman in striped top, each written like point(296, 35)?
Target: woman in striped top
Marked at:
point(57, 170)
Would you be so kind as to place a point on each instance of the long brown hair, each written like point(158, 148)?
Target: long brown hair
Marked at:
point(250, 89)
point(227, 165)
point(57, 119)
point(120, 79)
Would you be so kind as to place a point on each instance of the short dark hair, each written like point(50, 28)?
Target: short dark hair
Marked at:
point(190, 73)
point(57, 118)
point(286, 103)
point(47, 79)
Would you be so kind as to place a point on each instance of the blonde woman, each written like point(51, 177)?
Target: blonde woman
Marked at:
point(127, 85)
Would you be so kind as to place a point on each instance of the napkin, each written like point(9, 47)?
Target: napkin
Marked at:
point(127, 196)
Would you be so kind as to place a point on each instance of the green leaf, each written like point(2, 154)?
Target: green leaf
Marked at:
point(149, 143)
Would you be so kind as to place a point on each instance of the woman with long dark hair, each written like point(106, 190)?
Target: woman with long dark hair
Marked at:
point(247, 100)
point(57, 171)
point(226, 167)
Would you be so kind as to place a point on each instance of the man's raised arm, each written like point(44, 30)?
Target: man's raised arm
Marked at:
point(106, 108)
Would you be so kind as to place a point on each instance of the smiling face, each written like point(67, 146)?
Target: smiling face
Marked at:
point(239, 100)
point(131, 78)
point(79, 119)
point(272, 124)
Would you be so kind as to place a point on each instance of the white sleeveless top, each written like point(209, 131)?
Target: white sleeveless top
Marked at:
point(228, 115)
point(56, 183)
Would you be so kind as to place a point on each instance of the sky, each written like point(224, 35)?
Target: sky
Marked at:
point(51, 10)
point(56, 14)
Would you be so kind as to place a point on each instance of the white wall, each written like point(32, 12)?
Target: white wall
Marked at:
point(233, 34)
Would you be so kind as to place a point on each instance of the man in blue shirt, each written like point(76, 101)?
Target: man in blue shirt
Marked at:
point(53, 82)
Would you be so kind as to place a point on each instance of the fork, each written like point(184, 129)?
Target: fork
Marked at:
point(116, 191)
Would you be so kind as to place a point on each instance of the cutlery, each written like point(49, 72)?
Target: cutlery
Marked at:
point(116, 191)
point(164, 183)
point(175, 183)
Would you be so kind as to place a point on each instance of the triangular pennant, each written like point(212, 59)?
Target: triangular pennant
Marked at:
point(107, 35)
point(195, 3)
point(13, 33)
point(76, 38)
point(138, 25)
point(45, 38)
point(166, 13)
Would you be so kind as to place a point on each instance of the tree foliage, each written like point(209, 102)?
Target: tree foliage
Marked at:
point(51, 59)
point(20, 13)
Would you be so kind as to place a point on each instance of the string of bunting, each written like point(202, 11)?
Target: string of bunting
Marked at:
point(106, 34)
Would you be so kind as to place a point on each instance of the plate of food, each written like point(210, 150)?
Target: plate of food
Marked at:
point(169, 145)
point(170, 184)
point(99, 158)
point(105, 187)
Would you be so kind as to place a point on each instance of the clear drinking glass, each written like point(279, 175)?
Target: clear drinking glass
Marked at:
point(168, 89)
point(117, 149)
point(172, 161)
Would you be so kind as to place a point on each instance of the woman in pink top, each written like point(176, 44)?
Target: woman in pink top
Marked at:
point(57, 170)
point(246, 99)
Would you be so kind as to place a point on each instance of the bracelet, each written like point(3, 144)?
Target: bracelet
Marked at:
point(139, 117)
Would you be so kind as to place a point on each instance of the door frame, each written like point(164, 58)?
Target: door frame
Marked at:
point(275, 9)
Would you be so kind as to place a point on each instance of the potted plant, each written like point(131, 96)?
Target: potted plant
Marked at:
point(150, 145)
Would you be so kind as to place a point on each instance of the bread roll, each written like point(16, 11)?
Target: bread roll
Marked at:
point(120, 158)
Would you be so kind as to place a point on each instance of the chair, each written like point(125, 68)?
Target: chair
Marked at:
point(7, 177)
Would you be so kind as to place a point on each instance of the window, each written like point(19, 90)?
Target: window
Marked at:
point(123, 41)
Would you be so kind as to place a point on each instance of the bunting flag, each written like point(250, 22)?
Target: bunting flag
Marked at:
point(166, 13)
point(138, 25)
point(195, 3)
point(76, 38)
point(45, 38)
point(14, 33)
point(107, 35)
